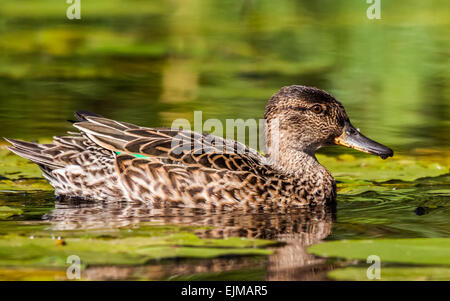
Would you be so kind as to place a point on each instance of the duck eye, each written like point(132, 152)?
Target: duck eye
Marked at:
point(317, 109)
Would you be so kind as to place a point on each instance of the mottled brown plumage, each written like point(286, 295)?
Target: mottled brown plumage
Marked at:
point(112, 160)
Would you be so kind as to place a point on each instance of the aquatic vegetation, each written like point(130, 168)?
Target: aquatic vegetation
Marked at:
point(408, 250)
point(393, 274)
point(40, 253)
point(350, 169)
point(31, 274)
point(6, 212)
point(47, 252)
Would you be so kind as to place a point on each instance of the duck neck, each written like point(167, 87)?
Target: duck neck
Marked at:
point(288, 159)
point(299, 164)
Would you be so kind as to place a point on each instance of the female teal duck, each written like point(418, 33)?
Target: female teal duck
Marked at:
point(112, 160)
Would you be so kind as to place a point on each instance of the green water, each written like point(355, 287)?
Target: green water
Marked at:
point(150, 62)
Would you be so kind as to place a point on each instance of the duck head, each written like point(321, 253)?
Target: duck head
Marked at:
point(308, 119)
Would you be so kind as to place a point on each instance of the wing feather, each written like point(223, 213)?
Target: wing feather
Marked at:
point(179, 146)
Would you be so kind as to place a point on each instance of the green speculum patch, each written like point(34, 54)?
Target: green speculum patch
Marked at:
point(135, 155)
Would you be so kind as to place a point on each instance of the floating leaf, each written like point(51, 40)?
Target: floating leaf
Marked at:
point(359, 189)
point(45, 252)
point(17, 173)
point(404, 168)
point(410, 250)
point(25, 184)
point(393, 274)
point(14, 167)
point(31, 274)
point(6, 212)
point(439, 191)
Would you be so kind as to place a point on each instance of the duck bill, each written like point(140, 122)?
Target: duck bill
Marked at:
point(352, 138)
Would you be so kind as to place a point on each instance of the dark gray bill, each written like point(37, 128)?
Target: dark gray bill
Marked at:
point(352, 138)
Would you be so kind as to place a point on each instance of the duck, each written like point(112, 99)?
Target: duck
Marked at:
point(169, 167)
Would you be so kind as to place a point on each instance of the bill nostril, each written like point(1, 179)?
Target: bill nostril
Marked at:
point(351, 131)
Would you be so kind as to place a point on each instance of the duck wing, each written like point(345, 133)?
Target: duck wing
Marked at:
point(175, 146)
point(180, 167)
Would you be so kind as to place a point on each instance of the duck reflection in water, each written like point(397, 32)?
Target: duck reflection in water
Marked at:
point(295, 229)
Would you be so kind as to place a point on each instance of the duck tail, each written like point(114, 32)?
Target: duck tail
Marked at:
point(81, 115)
point(34, 152)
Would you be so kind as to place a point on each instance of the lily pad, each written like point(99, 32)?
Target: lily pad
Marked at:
point(14, 167)
point(439, 191)
point(410, 250)
point(17, 173)
point(6, 212)
point(359, 189)
point(393, 274)
point(31, 274)
point(404, 168)
point(46, 252)
point(25, 185)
